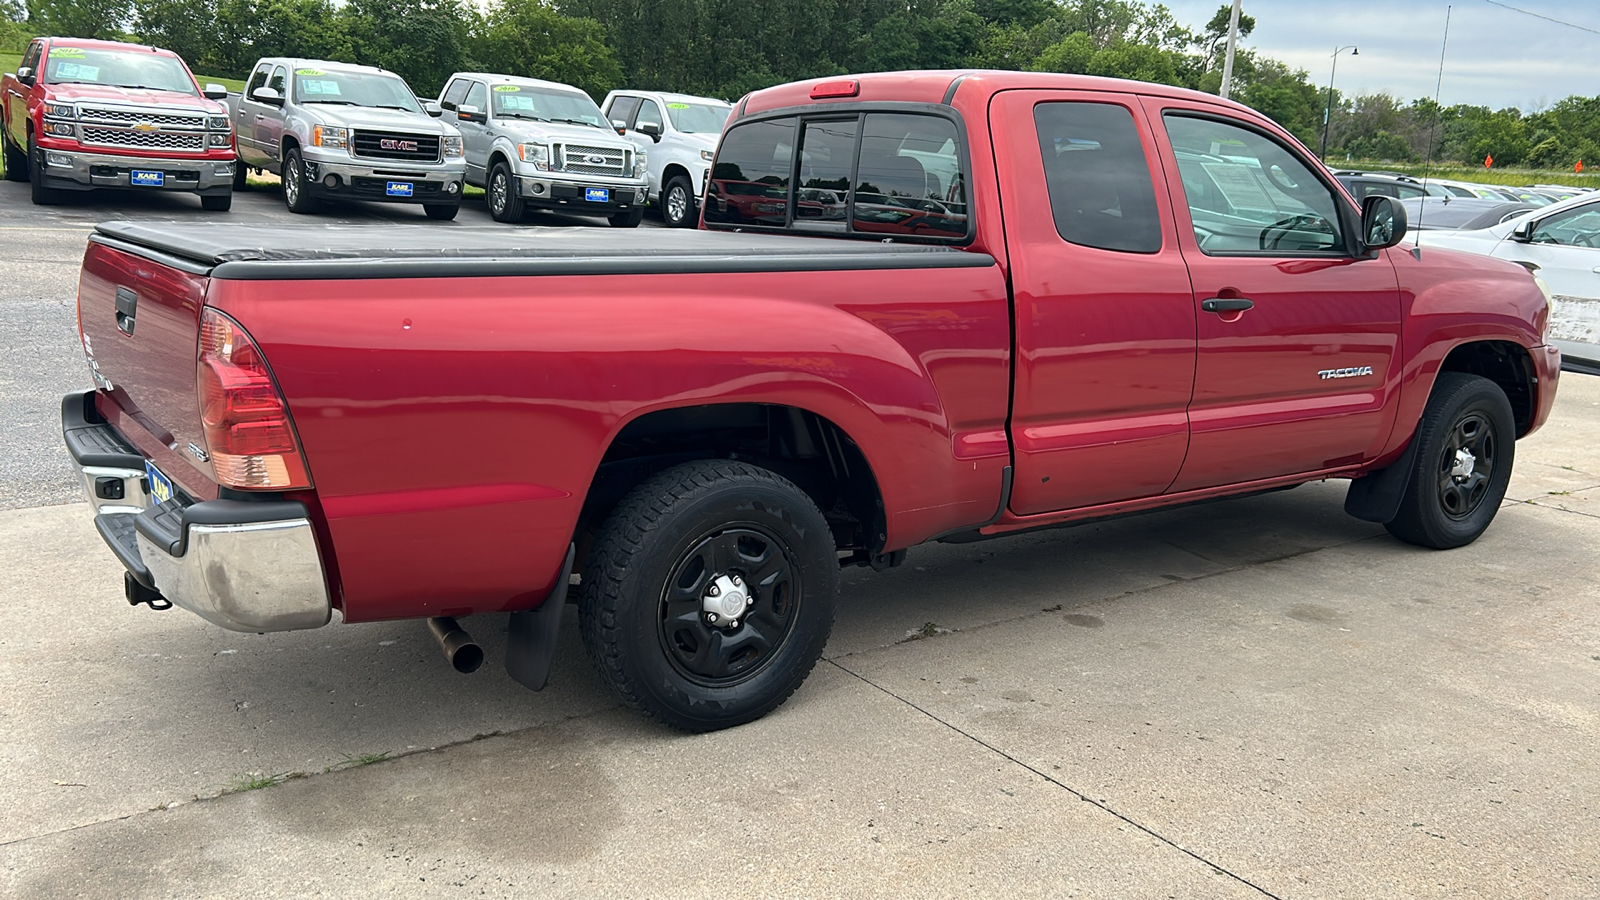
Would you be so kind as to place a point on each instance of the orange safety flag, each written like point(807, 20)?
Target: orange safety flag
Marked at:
point(1488, 161)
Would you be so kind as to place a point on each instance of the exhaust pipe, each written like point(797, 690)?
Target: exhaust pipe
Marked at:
point(464, 654)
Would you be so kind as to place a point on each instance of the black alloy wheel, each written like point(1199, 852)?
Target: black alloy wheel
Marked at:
point(709, 593)
point(1463, 464)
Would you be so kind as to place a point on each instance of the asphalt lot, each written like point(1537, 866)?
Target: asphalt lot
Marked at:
point(1260, 697)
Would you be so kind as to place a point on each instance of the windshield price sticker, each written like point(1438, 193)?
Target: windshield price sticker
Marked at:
point(67, 51)
point(507, 89)
point(677, 106)
point(76, 72)
point(323, 88)
point(312, 72)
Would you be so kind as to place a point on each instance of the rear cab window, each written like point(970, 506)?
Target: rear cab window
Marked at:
point(867, 173)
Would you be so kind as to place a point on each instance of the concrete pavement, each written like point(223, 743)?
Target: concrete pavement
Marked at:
point(1260, 697)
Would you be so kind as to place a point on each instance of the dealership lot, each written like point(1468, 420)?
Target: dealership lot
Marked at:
point(1260, 697)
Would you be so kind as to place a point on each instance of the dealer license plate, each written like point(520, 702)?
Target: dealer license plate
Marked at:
point(140, 178)
point(160, 485)
point(597, 195)
point(399, 189)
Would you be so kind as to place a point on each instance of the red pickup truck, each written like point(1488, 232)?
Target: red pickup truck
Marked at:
point(82, 114)
point(1043, 299)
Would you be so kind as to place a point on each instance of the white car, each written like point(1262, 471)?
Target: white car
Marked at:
point(680, 133)
point(1560, 244)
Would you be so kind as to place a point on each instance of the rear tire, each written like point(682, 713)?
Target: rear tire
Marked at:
point(42, 194)
point(677, 203)
point(629, 219)
point(217, 202)
point(1463, 464)
point(294, 184)
point(652, 581)
point(440, 212)
point(500, 192)
point(16, 161)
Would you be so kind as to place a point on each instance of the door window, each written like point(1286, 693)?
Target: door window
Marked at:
point(1101, 194)
point(650, 114)
point(1573, 228)
point(35, 50)
point(478, 96)
point(454, 94)
point(622, 110)
point(280, 81)
point(258, 80)
point(1249, 194)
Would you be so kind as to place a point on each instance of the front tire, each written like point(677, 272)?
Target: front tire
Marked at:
point(709, 594)
point(441, 212)
point(629, 219)
point(241, 176)
point(294, 184)
point(42, 194)
point(677, 203)
point(500, 192)
point(217, 202)
point(1463, 464)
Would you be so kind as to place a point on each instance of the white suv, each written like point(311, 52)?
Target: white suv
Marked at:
point(680, 133)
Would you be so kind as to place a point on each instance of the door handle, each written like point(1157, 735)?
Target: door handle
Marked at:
point(260, 116)
point(1226, 304)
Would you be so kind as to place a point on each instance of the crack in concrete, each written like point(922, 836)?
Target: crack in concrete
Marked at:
point(1064, 786)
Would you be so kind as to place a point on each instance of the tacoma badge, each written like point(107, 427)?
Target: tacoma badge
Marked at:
point(1354, 372)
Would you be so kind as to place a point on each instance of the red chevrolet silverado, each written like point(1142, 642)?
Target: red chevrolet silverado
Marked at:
point(1040, 300)
point(81, 115)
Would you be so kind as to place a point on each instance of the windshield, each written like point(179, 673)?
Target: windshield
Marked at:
point(515, 101)
point(698, 118)
point(117, 68)
point(375, 89)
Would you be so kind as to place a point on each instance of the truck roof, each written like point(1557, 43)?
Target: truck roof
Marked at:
point(518, 80)
point(295, 62)
point(942, 85)
point(262, 252)
point(89, 43)
point(671, 97)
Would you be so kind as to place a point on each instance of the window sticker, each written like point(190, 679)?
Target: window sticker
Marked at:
point(76, 71)
point(518, 104)
point(319, 88)
point(677, 106)
point(1239, 186)
point(507, 89)
point(59, 52)
point(312, 72)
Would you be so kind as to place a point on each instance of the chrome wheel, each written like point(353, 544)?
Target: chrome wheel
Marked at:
point(677, 204)
point(499, 190)
point(291, 181)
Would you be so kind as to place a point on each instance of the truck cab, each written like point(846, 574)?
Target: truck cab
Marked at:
point(544, 145)
point(82, 115)
point(334, 131)
point(680, 133)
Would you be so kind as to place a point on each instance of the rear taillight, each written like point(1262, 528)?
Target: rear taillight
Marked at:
point(248, 434)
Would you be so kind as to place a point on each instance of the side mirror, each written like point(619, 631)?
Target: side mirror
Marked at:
point(620, 125)
point(1383, 222)
point(267, 95)
point(651, 128)
point(432, 108)
point(1523, 234)
point(25, 75)
point(468, 113)
point(215, 91)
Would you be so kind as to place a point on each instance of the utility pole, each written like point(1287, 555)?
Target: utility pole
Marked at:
point(1233, 38)
point(1327, 113)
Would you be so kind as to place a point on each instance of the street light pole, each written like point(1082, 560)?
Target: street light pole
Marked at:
point(1327, 114)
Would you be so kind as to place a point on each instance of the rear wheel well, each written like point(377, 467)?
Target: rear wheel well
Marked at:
point(1507, 365)
point(808, 449)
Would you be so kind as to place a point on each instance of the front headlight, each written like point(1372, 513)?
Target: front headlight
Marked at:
point(330, 136)
point(452, 145)
point(537, 154)
point(641, 160)
point(707, 155)
point(218, 123)
point(220, 139)
point(58, 129)
point(60, 111)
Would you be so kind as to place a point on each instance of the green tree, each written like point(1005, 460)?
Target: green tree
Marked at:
point(103, 19)
point(422, 41)
point(530, 38)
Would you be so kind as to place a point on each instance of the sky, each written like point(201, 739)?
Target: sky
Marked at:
point(1496, 57)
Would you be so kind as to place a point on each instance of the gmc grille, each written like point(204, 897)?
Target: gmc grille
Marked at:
point(370, 144)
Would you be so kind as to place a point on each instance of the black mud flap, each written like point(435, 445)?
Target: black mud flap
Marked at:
point(1376, 497)
point(532, 644)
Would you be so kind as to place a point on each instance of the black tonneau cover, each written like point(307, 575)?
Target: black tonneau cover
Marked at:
point(260, 252)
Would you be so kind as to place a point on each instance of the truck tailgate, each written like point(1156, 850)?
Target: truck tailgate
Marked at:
point(140, 320)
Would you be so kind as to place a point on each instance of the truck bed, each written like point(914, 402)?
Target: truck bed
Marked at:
point(258, 252)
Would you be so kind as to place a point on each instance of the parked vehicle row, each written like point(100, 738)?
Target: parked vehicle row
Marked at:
point(83, 114)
